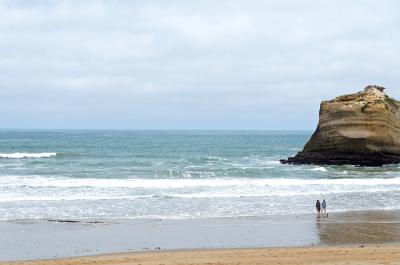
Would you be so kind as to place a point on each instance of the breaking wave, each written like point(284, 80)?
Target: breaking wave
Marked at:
point(27, 155)
point(65, 182)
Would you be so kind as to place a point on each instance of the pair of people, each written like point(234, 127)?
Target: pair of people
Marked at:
point(321, 207)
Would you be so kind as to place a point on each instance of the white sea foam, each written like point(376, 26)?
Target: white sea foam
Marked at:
point(322, 169)
point(27, 155)
point(173, 198)
point(74, 197)
point(271, 162)
point(134, 197)
point(64, 195)
point(64, 182)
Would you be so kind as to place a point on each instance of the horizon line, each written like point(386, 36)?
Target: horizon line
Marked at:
point(144, 129)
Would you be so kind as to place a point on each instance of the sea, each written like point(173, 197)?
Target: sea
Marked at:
point(167, 174)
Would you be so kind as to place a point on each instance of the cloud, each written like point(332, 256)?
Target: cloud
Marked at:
point(226, 64)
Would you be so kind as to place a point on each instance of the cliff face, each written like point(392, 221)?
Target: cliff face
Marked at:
point(358, 129)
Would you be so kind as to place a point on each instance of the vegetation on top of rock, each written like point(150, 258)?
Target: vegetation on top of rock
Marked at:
point(371, 87)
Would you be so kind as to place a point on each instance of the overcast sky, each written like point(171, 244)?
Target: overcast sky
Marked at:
point(208, 64)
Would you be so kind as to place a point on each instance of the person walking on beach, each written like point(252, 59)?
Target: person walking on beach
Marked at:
point(318, 206)
point(323, 206)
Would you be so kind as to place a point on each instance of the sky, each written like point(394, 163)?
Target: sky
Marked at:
point(254, 64)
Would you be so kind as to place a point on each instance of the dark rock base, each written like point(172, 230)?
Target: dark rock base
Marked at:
point(368, 159)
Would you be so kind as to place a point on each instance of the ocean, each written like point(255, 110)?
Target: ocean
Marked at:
point(139, 174)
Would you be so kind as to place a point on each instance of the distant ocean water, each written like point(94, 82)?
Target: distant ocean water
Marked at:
point(74, 174)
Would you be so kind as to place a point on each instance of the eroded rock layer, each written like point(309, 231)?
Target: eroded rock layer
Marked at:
point(358, 129)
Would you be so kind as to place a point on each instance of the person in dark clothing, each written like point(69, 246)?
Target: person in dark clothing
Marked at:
point(318, 206)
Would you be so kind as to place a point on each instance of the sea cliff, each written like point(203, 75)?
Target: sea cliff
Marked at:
point(357, 129)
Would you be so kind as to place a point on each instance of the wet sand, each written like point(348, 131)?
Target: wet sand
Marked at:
point(33, 240)
point(387, 254)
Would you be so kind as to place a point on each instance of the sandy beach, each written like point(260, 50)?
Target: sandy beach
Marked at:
point(372, 254)
point(291, 239)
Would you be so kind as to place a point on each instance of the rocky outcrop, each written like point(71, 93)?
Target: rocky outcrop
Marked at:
point(357, 129)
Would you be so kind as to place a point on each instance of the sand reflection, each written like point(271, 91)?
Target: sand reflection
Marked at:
point(359, 227)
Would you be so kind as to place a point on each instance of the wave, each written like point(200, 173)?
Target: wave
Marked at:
point(67, 196)
point(27, 155)
point(78, 197)
point(322, 169)
point(65, 182)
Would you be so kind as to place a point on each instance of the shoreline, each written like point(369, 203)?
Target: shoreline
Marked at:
point(38, 240)
point(328, 255)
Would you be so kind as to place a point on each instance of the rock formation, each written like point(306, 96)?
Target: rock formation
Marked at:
point(358, 129)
